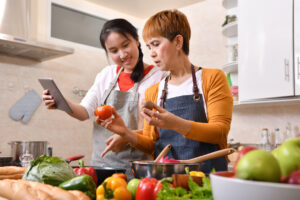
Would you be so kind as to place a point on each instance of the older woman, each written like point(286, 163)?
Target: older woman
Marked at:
point(195, 109)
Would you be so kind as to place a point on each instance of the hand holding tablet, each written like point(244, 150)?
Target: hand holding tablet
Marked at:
point(60, 102)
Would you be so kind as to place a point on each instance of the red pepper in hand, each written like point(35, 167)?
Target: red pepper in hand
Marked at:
point(86, 170)
point(145, 189)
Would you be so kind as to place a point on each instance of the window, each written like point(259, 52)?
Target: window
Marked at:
point(75, 26)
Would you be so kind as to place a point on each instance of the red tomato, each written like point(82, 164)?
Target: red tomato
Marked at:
point(103, 112)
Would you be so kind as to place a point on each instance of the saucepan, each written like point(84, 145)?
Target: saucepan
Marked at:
point(153, 169)
point(32, 149)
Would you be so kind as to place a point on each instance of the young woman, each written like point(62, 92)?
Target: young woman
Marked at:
point(122, 86)
point(195, 109)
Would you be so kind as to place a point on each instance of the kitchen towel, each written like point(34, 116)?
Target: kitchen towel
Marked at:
point(25, 107)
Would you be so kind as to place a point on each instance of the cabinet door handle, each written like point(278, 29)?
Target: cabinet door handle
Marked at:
point(286, 70)
point(298, 67)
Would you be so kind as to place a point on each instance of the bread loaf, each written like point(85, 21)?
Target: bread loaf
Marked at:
point(28, 190)
point(11, 176)
point(10, 170)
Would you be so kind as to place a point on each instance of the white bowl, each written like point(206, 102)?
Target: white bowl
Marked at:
point(224, 187)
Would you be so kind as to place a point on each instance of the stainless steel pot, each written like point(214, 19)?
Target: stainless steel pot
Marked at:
point(156, 170)
point(32, 149)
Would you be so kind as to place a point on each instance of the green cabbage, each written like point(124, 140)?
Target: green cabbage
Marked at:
point(49, 170)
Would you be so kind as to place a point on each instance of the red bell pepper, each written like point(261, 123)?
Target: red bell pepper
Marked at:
point(145, 189)
point(86, 170)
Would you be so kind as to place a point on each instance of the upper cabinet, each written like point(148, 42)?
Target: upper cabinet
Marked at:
point(268, 32)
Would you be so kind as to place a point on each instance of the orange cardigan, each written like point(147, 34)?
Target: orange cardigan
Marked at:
point(219, 104)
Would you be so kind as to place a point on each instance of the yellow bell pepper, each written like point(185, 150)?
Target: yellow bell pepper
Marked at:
point(113, 188)
point(197, 173)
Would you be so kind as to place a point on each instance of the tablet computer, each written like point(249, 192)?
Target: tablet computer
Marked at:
point(60, 102)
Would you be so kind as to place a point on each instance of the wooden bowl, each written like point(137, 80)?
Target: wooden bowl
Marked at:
point(182, 180)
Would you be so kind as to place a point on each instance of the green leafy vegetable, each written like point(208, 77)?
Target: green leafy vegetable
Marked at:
point(203, 192)
point(49, 170)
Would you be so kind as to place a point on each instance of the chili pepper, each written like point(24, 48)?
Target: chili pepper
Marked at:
point(145, 190)
point(84, 183)
point(113, 188)
point(86, 170)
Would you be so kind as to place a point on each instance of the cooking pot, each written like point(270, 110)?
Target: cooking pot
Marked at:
point(28, 149)
point(152, 169)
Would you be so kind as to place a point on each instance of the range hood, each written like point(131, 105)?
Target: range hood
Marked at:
point(14, 46)
point(14, 34)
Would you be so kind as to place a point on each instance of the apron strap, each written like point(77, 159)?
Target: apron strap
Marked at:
point(135, 90)
point(195, 88)
point(164, 93)
point(111, 86)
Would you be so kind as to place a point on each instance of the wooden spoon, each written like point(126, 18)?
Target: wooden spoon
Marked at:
point(163, 152)
point(209, 156)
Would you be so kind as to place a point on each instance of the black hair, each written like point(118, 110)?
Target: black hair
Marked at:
point(122, 26)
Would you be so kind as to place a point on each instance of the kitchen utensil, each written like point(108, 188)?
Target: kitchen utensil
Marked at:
point(143, 169)
point(163, 153)
point(72, 158)
point(226, 187)
point(35, 148)
point(209, 156)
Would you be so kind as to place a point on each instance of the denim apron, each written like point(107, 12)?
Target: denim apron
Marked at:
point(126, 104)
point(189, 107)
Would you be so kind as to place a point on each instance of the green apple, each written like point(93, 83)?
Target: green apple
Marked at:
point(258, 165)
point(288, 156)
point(132, 186)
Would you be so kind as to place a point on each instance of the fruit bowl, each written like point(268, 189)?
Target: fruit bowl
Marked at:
point(226, 187)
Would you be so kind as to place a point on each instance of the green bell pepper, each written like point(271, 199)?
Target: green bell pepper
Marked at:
point(84, 183)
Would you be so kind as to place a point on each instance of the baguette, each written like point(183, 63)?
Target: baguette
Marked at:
point(9, 170)
point(28, 190)
point(11, 176)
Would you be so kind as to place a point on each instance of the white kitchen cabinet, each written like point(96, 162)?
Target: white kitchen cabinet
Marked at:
point(297, 45)
point(266, 65)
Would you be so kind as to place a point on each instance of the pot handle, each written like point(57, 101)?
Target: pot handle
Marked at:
point(50, 151)
point(215, 154)
point(70, 159)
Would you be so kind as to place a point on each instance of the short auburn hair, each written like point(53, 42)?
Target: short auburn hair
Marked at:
point(169, 24)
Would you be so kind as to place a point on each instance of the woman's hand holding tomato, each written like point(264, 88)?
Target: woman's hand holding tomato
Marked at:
point(103, 112)
point(114, 124)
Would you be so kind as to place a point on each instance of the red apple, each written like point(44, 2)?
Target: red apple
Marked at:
point(245, 150)
point(294, 178)
point(284, 179)
point(298, 135)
